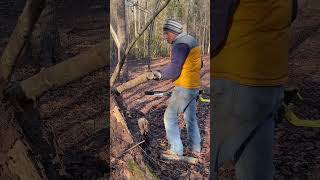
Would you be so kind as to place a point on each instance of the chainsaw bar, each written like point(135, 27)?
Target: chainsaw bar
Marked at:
point(157, 93)
point(168, 94)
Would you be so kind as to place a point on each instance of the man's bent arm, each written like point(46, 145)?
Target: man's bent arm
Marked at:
point(179, 55)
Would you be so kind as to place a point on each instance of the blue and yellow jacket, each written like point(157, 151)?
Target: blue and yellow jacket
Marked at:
point(256, 51)
point(185, 65)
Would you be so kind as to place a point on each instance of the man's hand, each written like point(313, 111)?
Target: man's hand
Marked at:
point(156, 75)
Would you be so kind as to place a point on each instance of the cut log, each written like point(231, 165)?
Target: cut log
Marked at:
point(144, 126)
point(134, 82)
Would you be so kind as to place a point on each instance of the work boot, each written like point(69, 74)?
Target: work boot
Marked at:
point(169, 155)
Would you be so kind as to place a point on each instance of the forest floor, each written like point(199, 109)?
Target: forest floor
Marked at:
point(154, 107)
point(77, 112)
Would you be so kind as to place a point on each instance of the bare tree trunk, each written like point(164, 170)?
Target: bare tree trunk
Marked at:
point(118, 20)
point(186, 15)
point(135, 26)
point(66, 71)
point(50, 47)
point(150, 34)
point(139, 16)
point(203, 35)
point(144, 35)
point(18, 39)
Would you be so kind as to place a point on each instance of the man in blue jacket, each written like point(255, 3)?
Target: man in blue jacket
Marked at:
point(184, 70)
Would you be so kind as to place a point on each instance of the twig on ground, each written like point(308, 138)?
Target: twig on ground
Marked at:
point(130, 148)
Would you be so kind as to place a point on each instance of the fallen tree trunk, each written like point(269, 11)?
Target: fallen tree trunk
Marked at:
point(66, 71)
point(15, 157)
point(134, 82)
point(125, 165)
point(123, 138)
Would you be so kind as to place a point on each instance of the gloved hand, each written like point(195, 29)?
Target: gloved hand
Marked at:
point(156, 75)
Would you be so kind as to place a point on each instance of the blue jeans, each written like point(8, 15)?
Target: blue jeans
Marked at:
point(182, 100)
point(243, 128)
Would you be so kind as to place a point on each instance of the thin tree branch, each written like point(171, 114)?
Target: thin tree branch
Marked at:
point(114, 36)
point(120, 63)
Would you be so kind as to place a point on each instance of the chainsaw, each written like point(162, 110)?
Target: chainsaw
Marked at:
point(201, 95)
point(286, 113)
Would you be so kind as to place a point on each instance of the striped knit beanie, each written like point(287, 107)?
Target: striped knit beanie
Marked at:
point(173, 26)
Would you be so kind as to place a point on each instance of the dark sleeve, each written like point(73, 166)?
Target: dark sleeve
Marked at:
point(221, 16)
point(178, 57)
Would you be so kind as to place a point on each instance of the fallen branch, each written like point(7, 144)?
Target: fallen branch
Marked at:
point(134, 82)
point(66, 71)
